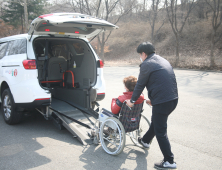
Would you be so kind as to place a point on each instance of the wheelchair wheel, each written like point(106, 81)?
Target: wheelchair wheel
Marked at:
point(112, 136)
point(144, 126)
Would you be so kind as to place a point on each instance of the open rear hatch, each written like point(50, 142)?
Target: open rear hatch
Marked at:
point(71, 24)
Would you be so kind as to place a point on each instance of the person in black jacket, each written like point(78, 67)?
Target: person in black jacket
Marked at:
point(157, 75)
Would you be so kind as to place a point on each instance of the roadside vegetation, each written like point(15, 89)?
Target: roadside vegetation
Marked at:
point(187, 33)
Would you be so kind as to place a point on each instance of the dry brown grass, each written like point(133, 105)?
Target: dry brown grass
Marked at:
point(194, 44)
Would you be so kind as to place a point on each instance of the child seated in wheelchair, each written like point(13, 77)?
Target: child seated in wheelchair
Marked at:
point(131, 118)
point(129, 85)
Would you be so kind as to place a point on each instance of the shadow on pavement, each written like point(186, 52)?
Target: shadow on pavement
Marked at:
point(19, 144)
point(95, 157)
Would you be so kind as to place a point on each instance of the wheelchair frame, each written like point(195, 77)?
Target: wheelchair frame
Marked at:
point(109, 131)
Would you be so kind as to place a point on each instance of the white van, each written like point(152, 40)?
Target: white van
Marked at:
point(54, 60)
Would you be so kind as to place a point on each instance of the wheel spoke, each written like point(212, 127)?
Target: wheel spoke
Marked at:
point(5, 101)
point(8, 111)
point(110, 141)
point(7, 107)
point(7, 114)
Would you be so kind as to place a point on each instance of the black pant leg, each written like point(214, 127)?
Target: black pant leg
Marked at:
point(150, 133)
point(160, 128)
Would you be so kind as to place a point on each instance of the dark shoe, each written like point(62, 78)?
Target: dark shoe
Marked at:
point(165, 165)
point(145, 145)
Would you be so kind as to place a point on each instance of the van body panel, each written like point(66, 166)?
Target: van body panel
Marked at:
point(29, 90)
point(100, 84)
point(12, 69)
point(30, 51)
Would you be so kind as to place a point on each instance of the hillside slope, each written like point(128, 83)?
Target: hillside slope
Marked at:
point(194, 44)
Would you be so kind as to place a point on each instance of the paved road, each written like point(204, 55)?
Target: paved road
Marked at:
point(194, 129)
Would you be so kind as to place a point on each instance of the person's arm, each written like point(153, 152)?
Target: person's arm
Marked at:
point(144, 75)
point(145, 71)
point(116, 105)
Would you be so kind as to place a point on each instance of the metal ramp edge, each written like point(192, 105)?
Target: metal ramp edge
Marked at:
point(77, 130)
point(72, 118)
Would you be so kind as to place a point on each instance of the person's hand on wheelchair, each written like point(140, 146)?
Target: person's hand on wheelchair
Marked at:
point(148, 102)
point(129, 103)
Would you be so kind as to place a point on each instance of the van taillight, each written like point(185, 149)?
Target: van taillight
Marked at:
point(100, 63)
point(29, 64)
point(100, 93)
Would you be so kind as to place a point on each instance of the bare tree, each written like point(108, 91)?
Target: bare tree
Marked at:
point(90, 7)
point(109, 11)
point(216, 7)
point(152, 17)
point(1, 4)
point(86, 6)
point(24, 4)
point(177, 19)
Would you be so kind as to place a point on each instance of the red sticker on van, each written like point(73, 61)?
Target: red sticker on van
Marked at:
point(15, 72)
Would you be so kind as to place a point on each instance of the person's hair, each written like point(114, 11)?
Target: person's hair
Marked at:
point(130, 82)
point(146, 47)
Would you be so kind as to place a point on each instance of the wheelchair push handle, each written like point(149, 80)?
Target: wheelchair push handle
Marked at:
point(148, 102)
point(127, 105)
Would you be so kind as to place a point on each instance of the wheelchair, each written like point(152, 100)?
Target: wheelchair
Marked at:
point(111, 130)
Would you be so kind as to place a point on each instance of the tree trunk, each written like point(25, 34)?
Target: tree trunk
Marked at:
point(212, 62)
point(177, 50)
point(98, 46)
point(152, 32)
point(102, 45)
point(22, 24)
point(102, 53)
point(26, 16)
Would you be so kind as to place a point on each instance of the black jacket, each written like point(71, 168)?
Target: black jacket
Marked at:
point(157, 75)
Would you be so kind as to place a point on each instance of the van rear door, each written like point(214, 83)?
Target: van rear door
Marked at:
point(71, 24)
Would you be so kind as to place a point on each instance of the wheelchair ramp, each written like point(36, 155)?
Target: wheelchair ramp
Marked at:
point(77, 130)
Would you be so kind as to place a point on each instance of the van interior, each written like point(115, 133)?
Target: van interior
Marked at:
point(67, 68)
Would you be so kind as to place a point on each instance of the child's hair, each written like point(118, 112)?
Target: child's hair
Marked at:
point(130, 82)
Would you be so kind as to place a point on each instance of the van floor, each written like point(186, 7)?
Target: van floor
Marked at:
point(62, 106)
point(75, 128)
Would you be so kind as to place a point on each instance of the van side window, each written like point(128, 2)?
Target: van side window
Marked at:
point(9, 47)
point(17, 47)
point(3, 47)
